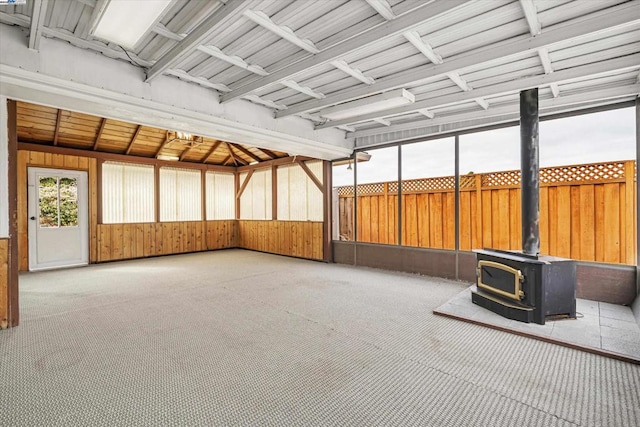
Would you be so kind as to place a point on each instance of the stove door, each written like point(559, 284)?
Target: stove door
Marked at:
point(500, 279)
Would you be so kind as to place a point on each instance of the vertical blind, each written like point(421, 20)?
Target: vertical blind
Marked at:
point(127, 193)
point(299, 199)
point(255, 202)
point(221, 200)
point(180, 194)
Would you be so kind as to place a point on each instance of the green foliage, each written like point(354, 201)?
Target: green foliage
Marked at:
point(58, 202)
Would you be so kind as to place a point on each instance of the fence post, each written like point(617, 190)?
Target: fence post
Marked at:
point(480, 231)
point(629, 231)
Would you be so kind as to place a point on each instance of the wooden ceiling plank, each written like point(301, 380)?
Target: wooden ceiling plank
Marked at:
point(95, 144)
point(214, 147)
point(133, 140)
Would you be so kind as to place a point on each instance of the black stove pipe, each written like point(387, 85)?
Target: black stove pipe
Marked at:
point(529, 166)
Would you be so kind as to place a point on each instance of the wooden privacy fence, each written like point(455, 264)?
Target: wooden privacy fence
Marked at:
point(587, 212)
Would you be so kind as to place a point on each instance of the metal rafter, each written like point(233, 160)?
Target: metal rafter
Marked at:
point(37, 21)
point(511, 108)
point(620, 64)
point(362, 41)
point(383, 8)
point(531, 15)
point(545, 59)
point(282, 31)
point(617, 16)
point(194, 39)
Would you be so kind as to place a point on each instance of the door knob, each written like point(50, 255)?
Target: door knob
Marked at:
point(33, 218)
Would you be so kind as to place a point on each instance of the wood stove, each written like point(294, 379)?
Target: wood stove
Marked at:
point(526, 286)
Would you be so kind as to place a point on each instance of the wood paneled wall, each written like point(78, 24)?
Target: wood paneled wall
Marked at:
point(294, 238)
point(56, 161)
point(126, 241)
point(4, 283)
point(110, 242)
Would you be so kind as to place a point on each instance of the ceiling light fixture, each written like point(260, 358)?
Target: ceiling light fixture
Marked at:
point(168, 158)
point(183, 137)
point(115, 23)
point(370, 104)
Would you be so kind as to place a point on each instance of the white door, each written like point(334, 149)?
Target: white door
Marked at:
point(58, 218)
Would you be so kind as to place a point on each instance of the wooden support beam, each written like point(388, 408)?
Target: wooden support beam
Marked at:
point(133, 140)
point(119, 157)
point(213, 149)
point(57, 131)
point(226, 159)
point(185, 152)
point(13, 313)
point(269, 153)
point(311, 175)
point(95, 144)
point(162, 145)
point(327, 215)
point(236, 160)
point(274, 192)
point(244, 184)
point(281, 161)
point(247, 152)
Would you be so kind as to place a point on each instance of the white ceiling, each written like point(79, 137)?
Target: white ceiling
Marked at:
point(465, 61)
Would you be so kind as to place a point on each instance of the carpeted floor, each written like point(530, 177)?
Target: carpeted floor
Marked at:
point(243, 338)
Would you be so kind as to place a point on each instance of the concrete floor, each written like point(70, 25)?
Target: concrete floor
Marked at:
point(243, 338)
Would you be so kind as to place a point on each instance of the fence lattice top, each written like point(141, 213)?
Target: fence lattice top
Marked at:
point(587, 173)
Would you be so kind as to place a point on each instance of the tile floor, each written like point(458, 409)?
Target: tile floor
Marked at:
point(608, 328)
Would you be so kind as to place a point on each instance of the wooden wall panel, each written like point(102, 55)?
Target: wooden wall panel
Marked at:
point(301, 239)
point(128, 241)
point(4, 283)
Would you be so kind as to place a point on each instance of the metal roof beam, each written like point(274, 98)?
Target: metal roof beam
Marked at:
point(564, 101)
point(426, 49)
point(363, 40)
point(37, 21)
point(629, 62)
point(291, 84)
point(383, 8)
point(282, 31)
point(353, 72)
point(617, 16)
point(531, 15)
point(194, 39)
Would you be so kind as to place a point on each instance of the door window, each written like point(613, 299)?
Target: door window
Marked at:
point(58, 202)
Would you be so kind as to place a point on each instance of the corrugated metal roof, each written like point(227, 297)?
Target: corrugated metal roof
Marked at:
point(259, 58)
